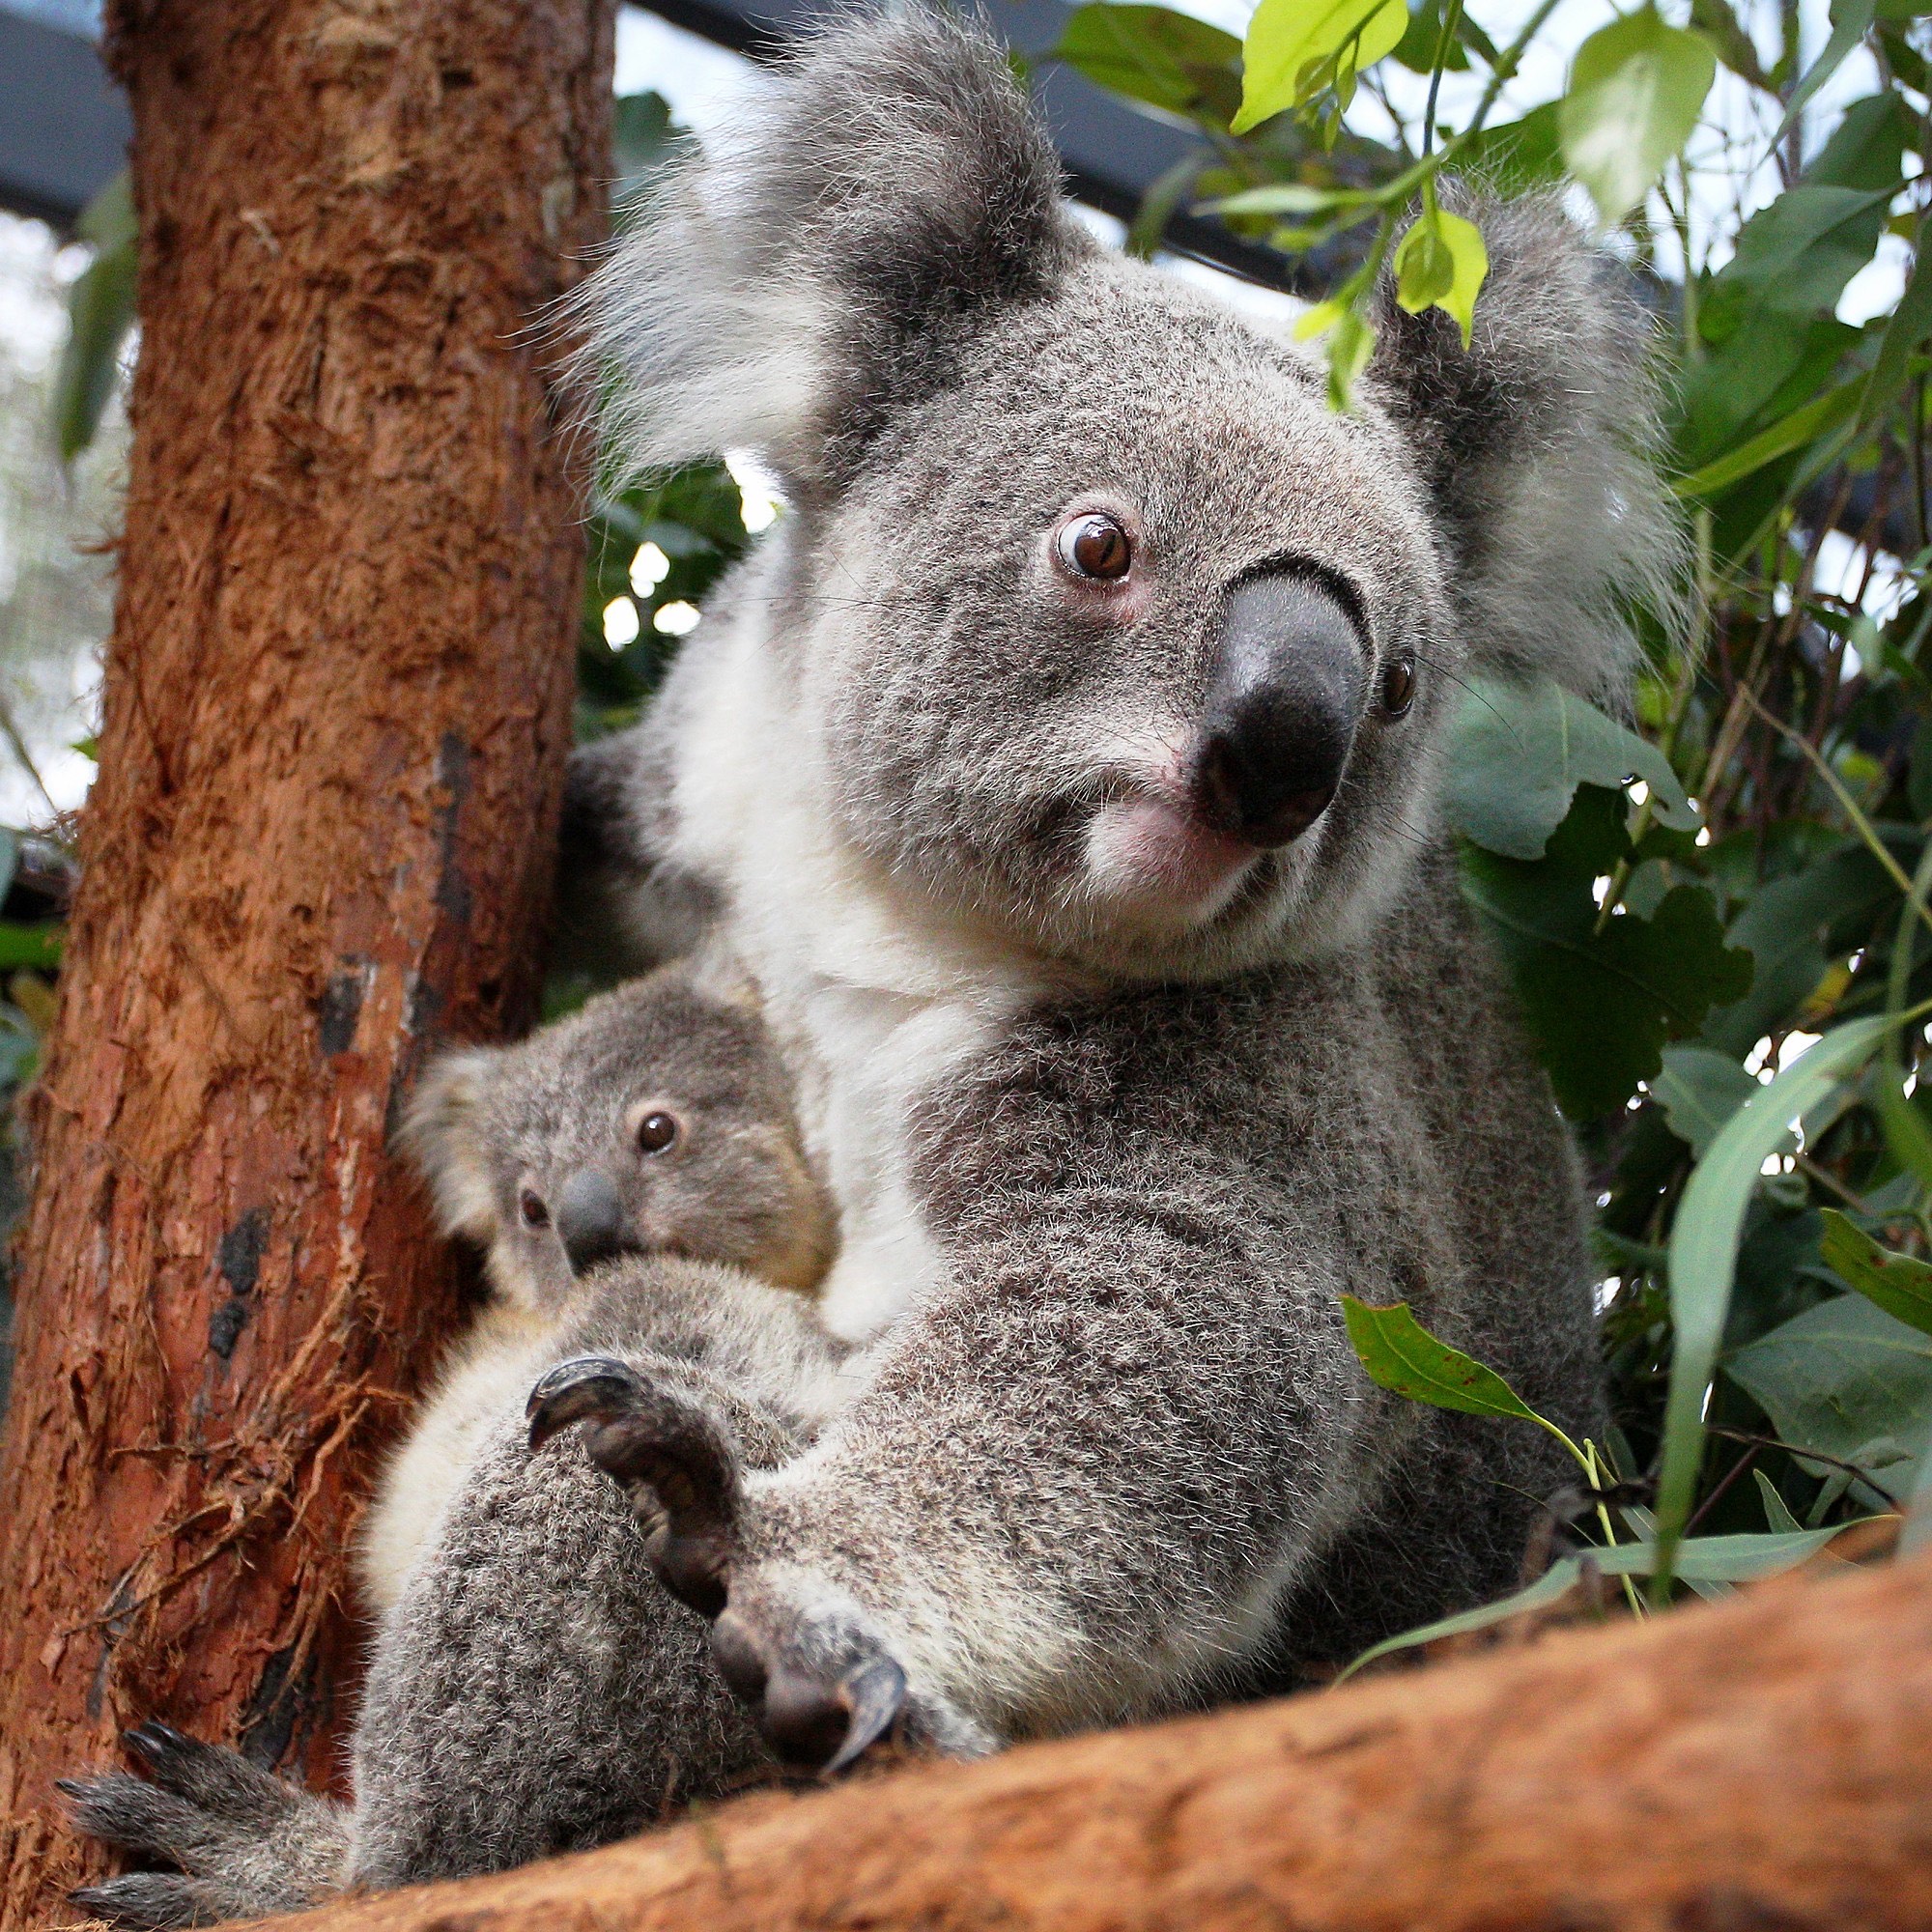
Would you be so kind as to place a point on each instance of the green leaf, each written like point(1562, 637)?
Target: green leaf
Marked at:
point(1600, 1004)
point(1293, 48)
point(1707, 1559)
point(1635, 91)
point(1289, 198)
point(1908, 329)
point(1851, 21)
point(1699, 1090)
point(100, 311)
point(1797, 255)
point(1897, 1283)
point(1846, 1380)
point(1704, 1251)
point(1719, 25)
point(1518, 752)
point(31, 945)
point(1401, 1356)
point(1169, 60)
point(1776, 1511)
point(1517, 157)
point(1784, 928)
point(1441, 262)
point(1807, 424)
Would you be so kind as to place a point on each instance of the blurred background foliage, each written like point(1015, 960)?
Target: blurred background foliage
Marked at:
point(1691, 896)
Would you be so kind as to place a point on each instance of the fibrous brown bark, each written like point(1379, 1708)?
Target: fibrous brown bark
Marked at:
point(1763, 1766)
point(336, 716)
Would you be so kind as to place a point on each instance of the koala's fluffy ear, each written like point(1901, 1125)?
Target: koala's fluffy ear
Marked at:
point(442, 1136)
point(1538, 443)
point(826, 265)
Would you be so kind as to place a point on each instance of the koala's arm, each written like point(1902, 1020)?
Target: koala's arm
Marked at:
point(622, 905)
point(1077, 1484)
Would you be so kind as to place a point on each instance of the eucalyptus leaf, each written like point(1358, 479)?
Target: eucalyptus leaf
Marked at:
point(1442, 264)
point(1518, 752)
point(100, 311)
point(1699, 1090)
point(1401, 1356)
point(1152, 54)
point(1704, 1252)
point(1704, 1559)
point(1896, 1283)
point(1600, 996)
point(1848, 1380)
point(1851, 21)
point(1635, 91)
point(1292, 43)
point(1776, 1511)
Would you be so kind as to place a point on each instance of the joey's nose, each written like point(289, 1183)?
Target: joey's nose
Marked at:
point(590, 1221)
point(1281, 711)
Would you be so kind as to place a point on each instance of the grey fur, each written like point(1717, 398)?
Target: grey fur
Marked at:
point(1107, 1161)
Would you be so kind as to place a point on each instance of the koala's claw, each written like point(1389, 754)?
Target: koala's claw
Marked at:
point(667, 1453)
point(814, 1719)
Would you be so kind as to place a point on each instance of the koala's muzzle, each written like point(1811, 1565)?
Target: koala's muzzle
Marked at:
point(1281, 712)
point(590, 1221)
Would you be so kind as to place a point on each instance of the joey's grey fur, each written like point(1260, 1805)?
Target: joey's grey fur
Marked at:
point(503, 1134)
point(1118, 1083)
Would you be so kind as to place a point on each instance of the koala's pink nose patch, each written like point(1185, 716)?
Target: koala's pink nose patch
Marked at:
point(1156, 860)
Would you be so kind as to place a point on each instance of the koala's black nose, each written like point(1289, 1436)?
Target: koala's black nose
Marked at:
point(1281, 711)
point(590, 1221)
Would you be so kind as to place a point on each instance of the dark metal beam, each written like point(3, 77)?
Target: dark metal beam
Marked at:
point(64, 125)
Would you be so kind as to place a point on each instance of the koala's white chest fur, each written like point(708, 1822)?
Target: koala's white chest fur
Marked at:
point(874, 1003)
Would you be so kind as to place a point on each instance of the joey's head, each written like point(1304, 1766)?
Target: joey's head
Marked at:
point(657, 1119)
point(1097, 626)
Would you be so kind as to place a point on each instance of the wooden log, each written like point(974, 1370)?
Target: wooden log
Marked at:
point(1764, 1765)
point(336, 716)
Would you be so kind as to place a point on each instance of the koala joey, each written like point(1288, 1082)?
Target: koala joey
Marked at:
point(656, 1120)
point(1064, 767)
point(532, 1689)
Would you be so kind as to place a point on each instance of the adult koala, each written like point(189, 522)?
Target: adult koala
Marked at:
point(1064, 770)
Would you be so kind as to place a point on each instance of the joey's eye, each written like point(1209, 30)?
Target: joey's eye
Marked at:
point(1399, 686)
point(1094, 546)
point(656, 1131)
point(530, 1206)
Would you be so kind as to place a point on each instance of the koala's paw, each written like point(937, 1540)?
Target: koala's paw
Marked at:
point(242, 1840)
point(821, 1682)
point(669, 1456)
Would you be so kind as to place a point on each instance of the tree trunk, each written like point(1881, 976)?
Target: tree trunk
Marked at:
point(336, 717)
point(1761, 1766)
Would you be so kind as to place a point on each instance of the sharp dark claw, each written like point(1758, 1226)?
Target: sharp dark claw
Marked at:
point(588, 1387)
point(71, 1787)
point(874, 1693)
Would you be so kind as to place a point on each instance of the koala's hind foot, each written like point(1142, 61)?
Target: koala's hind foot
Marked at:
point(242, 1842)
point(824, 1688)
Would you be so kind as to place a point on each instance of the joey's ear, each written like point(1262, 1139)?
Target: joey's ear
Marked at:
point(443, 1137)
point(1539, 444)
point(888, 191)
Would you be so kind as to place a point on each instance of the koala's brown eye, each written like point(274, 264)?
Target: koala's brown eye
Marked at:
point(657, 1131)
point(1094, 546)
point(1399, 686)
point(530, 1206)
